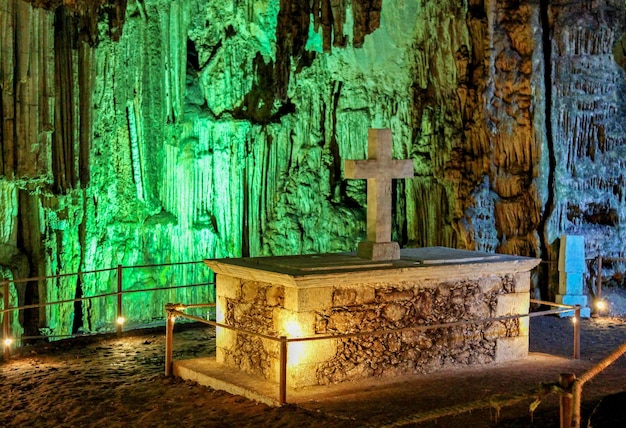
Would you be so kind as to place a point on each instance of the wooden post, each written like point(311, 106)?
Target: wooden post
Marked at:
point(282, 399)
point(577, 332)
point(577, 390)
point(6, 320)
point(565, 381)
point(119, 299)
point(169, 338)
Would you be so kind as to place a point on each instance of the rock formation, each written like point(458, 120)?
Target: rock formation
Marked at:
point(151, 131)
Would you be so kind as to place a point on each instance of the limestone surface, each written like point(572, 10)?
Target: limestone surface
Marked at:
point(154, 131)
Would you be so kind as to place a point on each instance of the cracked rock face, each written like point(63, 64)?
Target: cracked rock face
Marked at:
point(153, 131)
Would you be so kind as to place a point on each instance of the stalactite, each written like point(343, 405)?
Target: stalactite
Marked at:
point(135, 142)
point(220, 128)
point(7, 97)
point(366, 15)
point(26, 78)
point(175, 37)
point(23, 37)
point(85, 117)
point(90, 13)
point(64, 146)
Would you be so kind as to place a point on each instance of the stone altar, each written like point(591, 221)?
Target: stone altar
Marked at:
point(300, 296)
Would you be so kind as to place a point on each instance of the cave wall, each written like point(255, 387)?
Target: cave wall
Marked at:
point(588, 124)
point(160, 131)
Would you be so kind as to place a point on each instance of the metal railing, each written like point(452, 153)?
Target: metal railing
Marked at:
point(7, 309)
point(577, 384)
point(175, 310)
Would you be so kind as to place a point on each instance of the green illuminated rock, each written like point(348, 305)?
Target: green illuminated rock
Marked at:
point(159, 131)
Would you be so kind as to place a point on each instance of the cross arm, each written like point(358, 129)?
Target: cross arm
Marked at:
point(378, 169)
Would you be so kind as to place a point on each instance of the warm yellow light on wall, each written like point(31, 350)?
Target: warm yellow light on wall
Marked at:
point(295, 350)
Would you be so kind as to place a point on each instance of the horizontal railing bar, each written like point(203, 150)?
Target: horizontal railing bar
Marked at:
point(173, 287)
point(370, 333)
point(61, 275)
point(547, 312)
point(607, 361)
point(577, 385)
point(422, 327)
point(162, 264)
point(56, 336)
point(58, 302)
point(200, 305)
point(155, 324)
point(217, 324)
point(558, 305)
point(99, 296)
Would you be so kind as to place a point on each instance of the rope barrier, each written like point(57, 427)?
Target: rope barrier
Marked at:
point(174, 310)
point(99, 296)
point(577, 387)
point(6, 311)
point(179, 307)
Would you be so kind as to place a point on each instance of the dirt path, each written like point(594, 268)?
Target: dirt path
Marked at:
point(110, 381)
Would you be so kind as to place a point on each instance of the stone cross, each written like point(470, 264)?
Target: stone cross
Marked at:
point(379, 170)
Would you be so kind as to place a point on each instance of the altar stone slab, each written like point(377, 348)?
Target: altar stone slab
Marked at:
point(329, 294)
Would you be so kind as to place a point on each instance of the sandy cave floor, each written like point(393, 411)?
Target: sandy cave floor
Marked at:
point(118, 381)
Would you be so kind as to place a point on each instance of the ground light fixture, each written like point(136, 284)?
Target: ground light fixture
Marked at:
point(601, 305)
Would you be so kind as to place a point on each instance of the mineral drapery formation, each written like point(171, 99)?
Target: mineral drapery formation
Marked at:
point(159, 131)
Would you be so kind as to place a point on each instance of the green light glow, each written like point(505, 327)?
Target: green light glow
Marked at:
point(314, 41)
point(201, 129)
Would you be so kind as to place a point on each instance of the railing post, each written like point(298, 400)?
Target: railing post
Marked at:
point(119, 300)
point(6, 321)
point(565, 381)
point(282, 396)
point(577, 390)
point(577, 332)
point(170, 318)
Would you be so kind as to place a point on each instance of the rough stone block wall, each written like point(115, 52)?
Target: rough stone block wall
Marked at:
point(262, 308)
point(411, 304)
